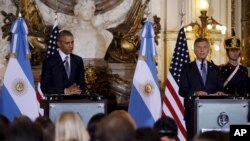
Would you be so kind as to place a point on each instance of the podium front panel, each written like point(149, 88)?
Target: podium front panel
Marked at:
point(86, 110)
point(220, 114)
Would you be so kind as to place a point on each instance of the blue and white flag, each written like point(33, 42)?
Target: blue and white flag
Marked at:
point(18, 96)
point(145, 99)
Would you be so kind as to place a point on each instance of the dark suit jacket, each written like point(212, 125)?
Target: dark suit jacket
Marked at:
point(191, 80)
point(54, 77)
point(239, 84)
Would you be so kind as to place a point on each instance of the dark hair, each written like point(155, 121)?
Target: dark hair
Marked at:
point(64, 33)
point(147, 134)
point(23, 129)
point(47, 127)
point(166, 126)
point(93, 123)
point(201, 40)
point(4, 124)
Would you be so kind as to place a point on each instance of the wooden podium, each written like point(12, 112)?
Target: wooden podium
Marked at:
point(85, 107)
point(217, 114)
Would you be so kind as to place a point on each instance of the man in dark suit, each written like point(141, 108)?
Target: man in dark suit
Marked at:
point(63, 72)
point(199, 78)
point(235, 76)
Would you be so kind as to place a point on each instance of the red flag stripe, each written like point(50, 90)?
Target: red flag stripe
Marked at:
point(176, 97)
point(177, 120)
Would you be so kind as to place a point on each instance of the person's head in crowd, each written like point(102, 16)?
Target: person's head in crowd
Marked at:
point(65, 41)
point(201, 48)
point(22, 118)
point(126, 115)
point(70, 127)
point(166, 128)
point(212, 136)
point(47, 128)
point(93, 123)
point(117, 126)
point(147, 134)
point(4, 124)
point(23, 129)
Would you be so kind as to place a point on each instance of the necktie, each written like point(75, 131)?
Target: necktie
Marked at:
point(67, 65)
point(204, 73)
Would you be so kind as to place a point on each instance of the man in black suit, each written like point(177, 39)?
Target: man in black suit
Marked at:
point(63, 72)
point(199, 78)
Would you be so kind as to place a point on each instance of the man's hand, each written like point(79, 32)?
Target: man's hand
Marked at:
point(200, 93)
point(73, 89)
point(219, 93)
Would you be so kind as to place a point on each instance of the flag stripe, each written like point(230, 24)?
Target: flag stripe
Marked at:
point(175, 96)
point(176, 118)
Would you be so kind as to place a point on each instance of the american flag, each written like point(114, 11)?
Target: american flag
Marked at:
point(52, 48)
point(172, 102)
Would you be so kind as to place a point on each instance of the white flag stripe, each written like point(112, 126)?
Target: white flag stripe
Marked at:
point(144, 47)
point(142, 76)
point(14, 44)
point(21, 98)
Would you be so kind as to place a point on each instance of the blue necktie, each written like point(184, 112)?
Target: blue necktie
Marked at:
point(67, 66)
point(204, 73)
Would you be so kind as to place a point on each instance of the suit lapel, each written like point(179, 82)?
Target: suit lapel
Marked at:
point(196, 72)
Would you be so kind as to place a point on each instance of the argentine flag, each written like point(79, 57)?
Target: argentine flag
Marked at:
point(145, 99)
point(18, 96)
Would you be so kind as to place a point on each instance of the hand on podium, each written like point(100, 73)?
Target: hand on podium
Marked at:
point(73, 89)
point(219, 93)
point(200, 93)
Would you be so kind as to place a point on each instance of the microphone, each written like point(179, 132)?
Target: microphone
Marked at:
point(202, 62)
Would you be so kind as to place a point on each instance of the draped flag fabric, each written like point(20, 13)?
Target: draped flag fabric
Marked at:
point(18, 95)
point(172, 102)
point(145, 99)
point(52, 48)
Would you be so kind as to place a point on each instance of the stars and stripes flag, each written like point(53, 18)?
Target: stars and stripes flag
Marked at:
point(18, 96)
point(172, 102)
point(52, 48)
point(145, 99)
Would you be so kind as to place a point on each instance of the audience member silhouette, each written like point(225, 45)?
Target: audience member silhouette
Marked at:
point(117, 126)
point(23, 129)
point(167, 128)
point(147, 134)
point(93, 123)
point(4, 124)
point(70, 127)
point(47, 127)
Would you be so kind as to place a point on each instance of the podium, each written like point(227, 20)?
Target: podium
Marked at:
point(217, 114)
point(85, 107)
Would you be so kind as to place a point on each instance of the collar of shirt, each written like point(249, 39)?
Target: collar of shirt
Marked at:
point(198, 64)
point(63, 55)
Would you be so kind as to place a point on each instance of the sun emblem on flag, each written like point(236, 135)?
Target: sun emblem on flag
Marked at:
point(20, 86)
point(148, 88)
